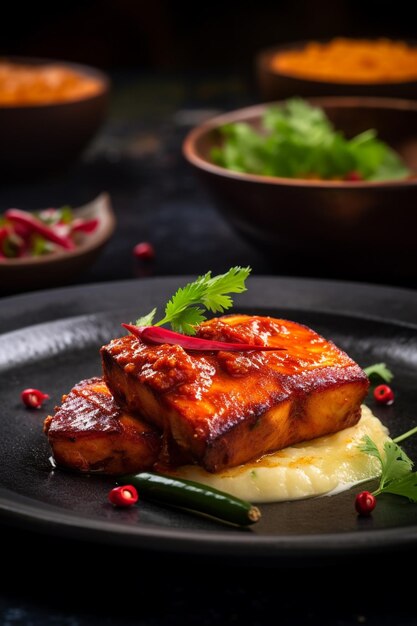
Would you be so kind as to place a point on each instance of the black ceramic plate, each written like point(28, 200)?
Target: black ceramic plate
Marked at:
point(50, 340)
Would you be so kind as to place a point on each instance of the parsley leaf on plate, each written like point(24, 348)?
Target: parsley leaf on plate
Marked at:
point(146, 320)
point(379, 370)
point(396, 469)
point(405, 486)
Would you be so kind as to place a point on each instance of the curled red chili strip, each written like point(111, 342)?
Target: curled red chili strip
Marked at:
point(158, 335)
point(35, 225)
point(81, 225)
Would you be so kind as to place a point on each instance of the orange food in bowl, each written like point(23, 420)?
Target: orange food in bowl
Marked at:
point(28, 85)
point(350, 61)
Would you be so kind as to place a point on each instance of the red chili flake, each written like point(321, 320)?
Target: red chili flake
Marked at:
point(384, 394)
point(125, 495)
point(144, 251)
point(33, 398)
point(365, 502)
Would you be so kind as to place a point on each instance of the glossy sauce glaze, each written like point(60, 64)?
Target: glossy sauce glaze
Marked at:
point(83, 412)
point(168, 367)
point(224, 408)
point(89, 432)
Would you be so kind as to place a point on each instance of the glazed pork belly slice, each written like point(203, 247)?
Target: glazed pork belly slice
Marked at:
point(226, 408)
point(89, 432)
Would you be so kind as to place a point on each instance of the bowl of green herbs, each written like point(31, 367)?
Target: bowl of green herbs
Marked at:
point(329, 183)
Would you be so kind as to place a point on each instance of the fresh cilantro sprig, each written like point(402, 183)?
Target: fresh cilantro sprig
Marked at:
point(187, 307)
point(397, 476)
point(379, 371)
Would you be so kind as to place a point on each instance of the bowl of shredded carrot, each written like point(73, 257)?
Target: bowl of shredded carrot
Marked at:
point(341, 66)
point(49, 112)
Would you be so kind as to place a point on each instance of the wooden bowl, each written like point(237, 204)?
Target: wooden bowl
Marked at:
point(59, 268)
point(43, 138)
point(357, 230)
point(276, 85)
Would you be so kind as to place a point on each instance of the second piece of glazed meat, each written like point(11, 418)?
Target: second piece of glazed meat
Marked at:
point(224, 408)
point(89, 432)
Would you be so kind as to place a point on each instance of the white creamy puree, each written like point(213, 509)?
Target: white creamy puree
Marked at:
point(327, 464)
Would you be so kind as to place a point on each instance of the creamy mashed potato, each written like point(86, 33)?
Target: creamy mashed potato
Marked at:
point(314, 468)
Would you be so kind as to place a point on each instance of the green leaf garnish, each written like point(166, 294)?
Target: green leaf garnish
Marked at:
point(394, 461)
point(146, 320)
point(189, 318)
point(406, 435)
point(397, 476)
point(369, 447)
point(405, 486)
point(297, 140)
point(184, 310)
point(379, 371)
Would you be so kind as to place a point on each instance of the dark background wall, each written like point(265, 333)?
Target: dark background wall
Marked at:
point(158, 34)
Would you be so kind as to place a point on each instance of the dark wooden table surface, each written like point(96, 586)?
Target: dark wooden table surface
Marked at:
point(55, 582)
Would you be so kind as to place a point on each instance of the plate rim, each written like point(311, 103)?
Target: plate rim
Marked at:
point(225, 543)
point(372, 296)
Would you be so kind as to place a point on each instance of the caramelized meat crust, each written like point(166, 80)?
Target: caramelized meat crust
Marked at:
point(89, 432)
point(222, 408)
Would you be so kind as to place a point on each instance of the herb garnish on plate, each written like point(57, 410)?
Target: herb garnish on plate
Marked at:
point(396, 475)
point(184, 310)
